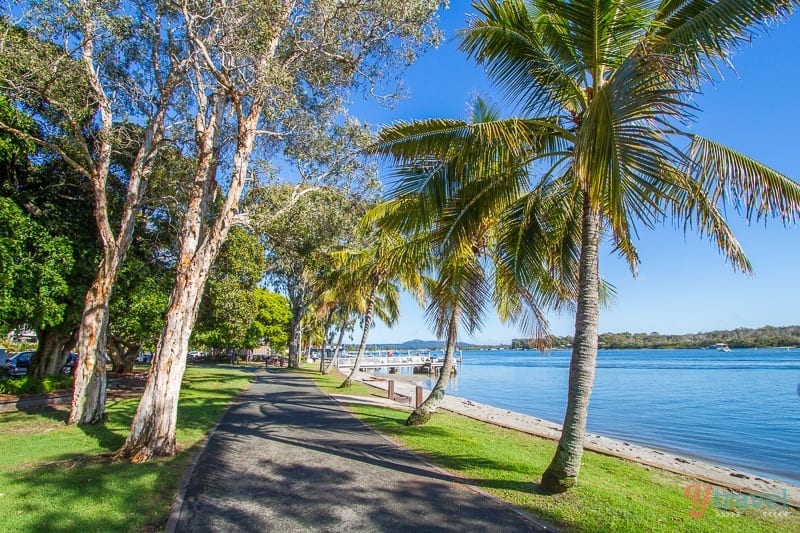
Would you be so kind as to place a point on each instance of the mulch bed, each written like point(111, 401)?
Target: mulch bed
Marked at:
point(119, 386)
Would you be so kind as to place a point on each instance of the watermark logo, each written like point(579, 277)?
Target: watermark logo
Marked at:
point(701, 496)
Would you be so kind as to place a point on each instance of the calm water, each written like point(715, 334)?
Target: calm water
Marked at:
point(740, 409)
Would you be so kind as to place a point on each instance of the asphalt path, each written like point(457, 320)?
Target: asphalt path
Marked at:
point(286, 457)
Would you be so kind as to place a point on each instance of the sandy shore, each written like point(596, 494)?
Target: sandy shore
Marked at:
point(701, 470)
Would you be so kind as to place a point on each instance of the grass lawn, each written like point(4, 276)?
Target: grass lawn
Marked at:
point(612, 495)
point(55, 477)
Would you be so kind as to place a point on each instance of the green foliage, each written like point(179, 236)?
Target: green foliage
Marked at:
point(230, 307)
point(736, 338)
point(299, 229)
point(58, 478)
point(14, 150)
point(34, 385)
point(56, 96)
point(139, 300)
point(34, 266)
point(272, 320)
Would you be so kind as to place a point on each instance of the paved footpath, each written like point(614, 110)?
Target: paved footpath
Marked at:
point(287, 457)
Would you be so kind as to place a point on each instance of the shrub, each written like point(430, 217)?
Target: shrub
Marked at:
point(32, 385)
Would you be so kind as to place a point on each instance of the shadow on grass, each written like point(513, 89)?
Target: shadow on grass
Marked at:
point(89, 493)
point(59, 415)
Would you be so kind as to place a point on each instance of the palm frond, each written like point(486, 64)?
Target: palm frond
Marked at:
point(693, 207)
point(508, 41)
point(698, 29)
point(752, 188)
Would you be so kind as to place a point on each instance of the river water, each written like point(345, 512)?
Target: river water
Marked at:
point(739, 408)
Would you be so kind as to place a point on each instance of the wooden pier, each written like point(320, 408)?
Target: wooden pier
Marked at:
point(421, 363)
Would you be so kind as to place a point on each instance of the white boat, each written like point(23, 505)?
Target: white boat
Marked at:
point(722, 347)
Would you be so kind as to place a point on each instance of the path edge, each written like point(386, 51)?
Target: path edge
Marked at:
point(175, 516)
point(453, 477)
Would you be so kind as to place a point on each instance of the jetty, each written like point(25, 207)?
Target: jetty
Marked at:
point(419, 361)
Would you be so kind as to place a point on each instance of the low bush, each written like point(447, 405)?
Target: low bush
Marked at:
point(33, 385)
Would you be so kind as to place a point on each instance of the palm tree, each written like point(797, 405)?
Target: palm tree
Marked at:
point(343, 299)
point(443, 205)
point(605, 89)
point(380, 269)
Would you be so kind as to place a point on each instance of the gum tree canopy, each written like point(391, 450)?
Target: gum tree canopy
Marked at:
point(81, 69)
point(262, 74)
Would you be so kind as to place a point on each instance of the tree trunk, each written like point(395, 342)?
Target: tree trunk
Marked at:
point(153, 428)
point(424, 412)
point(563, 470)
point(122, 354)
point(89, 392)
point(54, 345)
point(115, 351)
point(335, 357)
point(325, 331)
point(295, 337)
point(363, 346)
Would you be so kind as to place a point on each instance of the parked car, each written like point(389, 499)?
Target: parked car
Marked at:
point(18, 365)
point(70, 364)
point(144, 358)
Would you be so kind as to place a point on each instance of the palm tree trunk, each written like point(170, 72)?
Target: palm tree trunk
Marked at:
point(362, 348)
point(424, 412)
point(326, 328)
point(335, 357)
point(563, 470)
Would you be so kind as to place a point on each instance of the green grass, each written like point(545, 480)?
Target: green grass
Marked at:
point(55, 477)
point(612, 495)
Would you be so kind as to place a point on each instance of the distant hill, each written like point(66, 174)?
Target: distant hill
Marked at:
point(735, 338)
point(419, 344)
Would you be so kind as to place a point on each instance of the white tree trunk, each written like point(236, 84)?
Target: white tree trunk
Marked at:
point(89, 391)
point(153, 428)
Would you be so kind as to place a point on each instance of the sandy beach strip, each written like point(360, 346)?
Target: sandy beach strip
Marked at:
point(734, 480)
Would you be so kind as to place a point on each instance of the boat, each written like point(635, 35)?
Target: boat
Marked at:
point(722, 347)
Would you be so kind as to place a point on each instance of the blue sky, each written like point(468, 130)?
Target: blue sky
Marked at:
point(684, 285)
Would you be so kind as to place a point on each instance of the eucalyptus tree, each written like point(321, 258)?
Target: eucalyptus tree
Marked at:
point(80, 68)
point(229, 309)
point(298, 234)
point(605, 89)
point(261, 74)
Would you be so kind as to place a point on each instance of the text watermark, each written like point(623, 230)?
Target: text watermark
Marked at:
point(701, 496)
